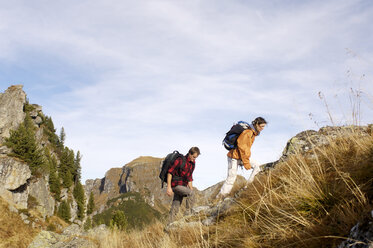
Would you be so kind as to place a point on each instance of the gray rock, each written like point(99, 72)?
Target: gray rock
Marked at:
point(40, 190)
point(12, 209)
point(4, 150)
point(13, 173)
point(73, 229)
point(209, 221)
point(64, 194)
point(23, 216)
point(14, 176)
point(361, 236)
point(38, 120)
point(46, 239)
point(11, 110)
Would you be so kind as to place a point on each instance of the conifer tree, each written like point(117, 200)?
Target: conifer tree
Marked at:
point(79, 198)
point(91, 203)
point(54, 181)
point(64, 211)
point(62, 138)
point(50, 131)
point(24, 146)
point(77, 168)
point(88, 224)
point(66, 167)
point(118, 220)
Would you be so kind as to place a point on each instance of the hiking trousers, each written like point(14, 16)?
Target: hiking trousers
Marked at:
point(179, 193)
point(232, 175)
point(231, 178)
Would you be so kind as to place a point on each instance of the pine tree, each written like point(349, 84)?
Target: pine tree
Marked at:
point(91, 203)
point(66, 167)
point(118, 220)
point(64, 211)
point(54, 181)
point(88, 224)
point(77, 168)
point(50, 131)
point(24, 146)
point(62, 138)
point(79, 198)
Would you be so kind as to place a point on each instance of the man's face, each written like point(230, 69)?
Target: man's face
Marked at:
point(192, 157)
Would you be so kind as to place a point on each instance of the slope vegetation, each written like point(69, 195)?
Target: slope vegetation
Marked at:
point(310, 199)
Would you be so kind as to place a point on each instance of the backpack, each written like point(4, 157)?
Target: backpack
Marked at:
point(230, 139)
point(168, 162)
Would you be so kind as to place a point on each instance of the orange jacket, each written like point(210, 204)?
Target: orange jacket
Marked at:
point(243, 150)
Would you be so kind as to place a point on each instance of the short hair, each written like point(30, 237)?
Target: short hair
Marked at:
point(259, 120)
point(194, 150)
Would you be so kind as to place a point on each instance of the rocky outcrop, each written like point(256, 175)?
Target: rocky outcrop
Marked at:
point(140, 175)
point(12, 102)
point(14, 176)
point(13, 173)
point(307, 140)
point(40, 190)
point(17, 186)
point(72, 236)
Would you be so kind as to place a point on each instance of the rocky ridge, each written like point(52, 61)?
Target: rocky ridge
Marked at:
point(17, 185)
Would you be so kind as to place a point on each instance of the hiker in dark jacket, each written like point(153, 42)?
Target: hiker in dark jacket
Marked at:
point(241, 156)
point(180, 182)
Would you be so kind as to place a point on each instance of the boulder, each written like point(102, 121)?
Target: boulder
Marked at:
point(13, 173)
point(14, 176)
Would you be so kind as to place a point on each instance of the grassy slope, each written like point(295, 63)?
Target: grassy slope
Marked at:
point(13, 232)
point(310, 200)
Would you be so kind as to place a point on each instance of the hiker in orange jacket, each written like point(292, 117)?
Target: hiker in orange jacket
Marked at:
point(241, 155)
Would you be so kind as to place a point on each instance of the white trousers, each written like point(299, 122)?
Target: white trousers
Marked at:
point(232, 175)
point(231, 178)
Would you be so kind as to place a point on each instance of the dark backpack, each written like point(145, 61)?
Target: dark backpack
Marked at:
point(230, 139)
point(168, 162)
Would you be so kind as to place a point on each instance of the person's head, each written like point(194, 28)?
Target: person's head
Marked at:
point(259, 123)
point(193, 153)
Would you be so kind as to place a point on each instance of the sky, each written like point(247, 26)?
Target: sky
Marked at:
point(144, 78)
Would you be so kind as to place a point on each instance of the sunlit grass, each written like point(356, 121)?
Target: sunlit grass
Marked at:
point(310, 200)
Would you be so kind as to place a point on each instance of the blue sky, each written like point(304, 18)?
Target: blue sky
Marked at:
point(143, 78)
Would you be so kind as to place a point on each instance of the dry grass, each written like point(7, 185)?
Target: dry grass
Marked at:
point(153, 236)
point(311, 200)
point(13, 231)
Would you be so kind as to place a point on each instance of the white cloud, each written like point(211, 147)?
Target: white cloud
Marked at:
point(143, 78)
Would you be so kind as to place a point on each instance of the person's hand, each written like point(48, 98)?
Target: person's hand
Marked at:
point(169, 191)
point(254, 164)
point(190, 185)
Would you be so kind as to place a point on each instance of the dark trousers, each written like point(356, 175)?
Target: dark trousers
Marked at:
point(179, 193)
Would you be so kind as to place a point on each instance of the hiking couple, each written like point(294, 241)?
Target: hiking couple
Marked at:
point(179, 174)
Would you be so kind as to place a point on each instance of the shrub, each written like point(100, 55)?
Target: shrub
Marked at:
point(119, 220)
